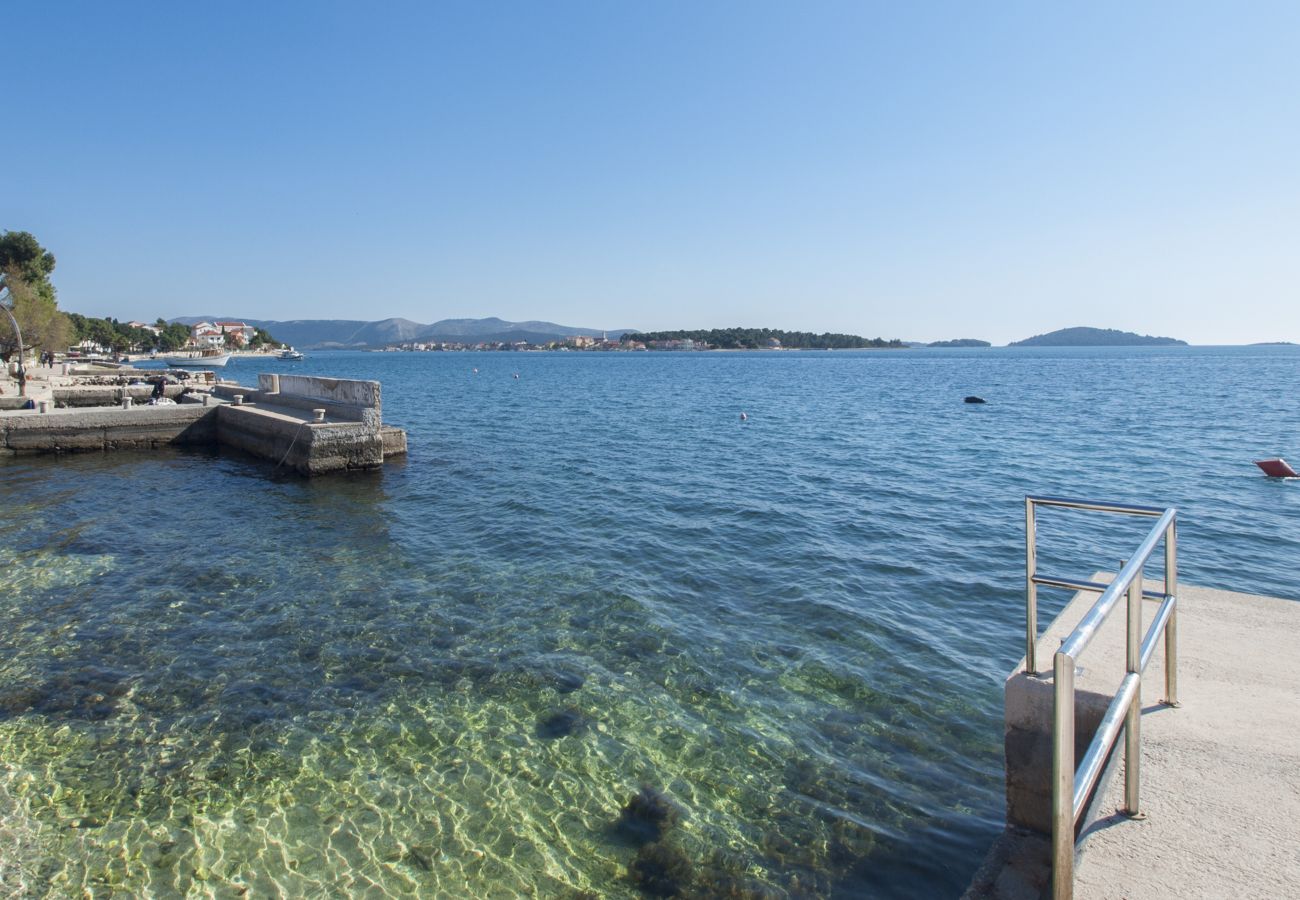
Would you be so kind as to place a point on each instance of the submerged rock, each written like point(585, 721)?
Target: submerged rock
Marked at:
point(646, 816)
point(568, 682)
point(661, 870)
point(561, 724)
point(973, 399)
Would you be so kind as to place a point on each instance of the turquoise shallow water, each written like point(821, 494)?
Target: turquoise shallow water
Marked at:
point(449, 678)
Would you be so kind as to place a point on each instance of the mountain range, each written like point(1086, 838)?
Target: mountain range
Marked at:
point(349, 334)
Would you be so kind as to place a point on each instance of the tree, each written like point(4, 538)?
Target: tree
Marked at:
point(261, 338)
point(174, 336)
point(26, 266)
point(44, 327)
point(22, 257)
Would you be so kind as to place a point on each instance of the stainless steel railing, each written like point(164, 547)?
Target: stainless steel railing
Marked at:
point(1071, 786)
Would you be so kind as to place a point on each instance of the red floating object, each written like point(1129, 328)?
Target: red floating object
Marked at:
point(1276, 468)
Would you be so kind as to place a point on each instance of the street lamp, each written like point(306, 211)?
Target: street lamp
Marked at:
point(22, 373)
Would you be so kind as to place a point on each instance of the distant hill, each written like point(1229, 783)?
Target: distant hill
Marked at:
point(1096, 337)
point(960, 342)
point(316, 334)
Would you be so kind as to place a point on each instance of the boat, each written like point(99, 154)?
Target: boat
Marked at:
point(202, 359)
point(289, 353)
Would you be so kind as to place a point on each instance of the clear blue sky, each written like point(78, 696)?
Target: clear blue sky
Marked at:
point(913, 170)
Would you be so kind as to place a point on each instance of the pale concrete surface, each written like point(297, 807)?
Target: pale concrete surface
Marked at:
point(40, 383)
point(1220, 776)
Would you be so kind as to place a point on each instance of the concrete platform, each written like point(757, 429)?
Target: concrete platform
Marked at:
point(1220, 774)
point(310, 424)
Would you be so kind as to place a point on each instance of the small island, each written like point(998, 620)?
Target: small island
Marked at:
point(960, 342)
point(1096, 337)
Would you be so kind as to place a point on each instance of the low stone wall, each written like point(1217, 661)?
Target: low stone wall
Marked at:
point(143, 428)
point(82, 396)
point(341, 398)
point(344, 391)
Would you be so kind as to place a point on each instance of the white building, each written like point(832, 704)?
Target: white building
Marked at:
point(206, 334)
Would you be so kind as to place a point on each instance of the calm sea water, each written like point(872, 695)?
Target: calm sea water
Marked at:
point(448, 679)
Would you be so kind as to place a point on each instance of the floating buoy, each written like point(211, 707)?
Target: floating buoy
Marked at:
point(516, 376)
point(744, 417)
point(973, 399)
point(1276, 468)
point(475, 371)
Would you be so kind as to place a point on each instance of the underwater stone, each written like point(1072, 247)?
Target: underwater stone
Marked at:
point(561, 724)
point(19, 699)
point(661, 870)
point(420, 857)
point(568, 682)
point(646, 816)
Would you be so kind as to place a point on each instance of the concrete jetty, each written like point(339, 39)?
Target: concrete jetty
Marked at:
point(309, 424)
point(1220, 774)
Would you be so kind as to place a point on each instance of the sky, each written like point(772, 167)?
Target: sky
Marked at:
point(918, 170)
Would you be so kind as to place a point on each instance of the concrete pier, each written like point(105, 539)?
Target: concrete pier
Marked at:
point(311, 425)
point(107, 428)
point(1220, 774)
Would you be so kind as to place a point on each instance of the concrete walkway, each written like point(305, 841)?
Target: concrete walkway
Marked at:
point(40, 382)
point(1221, 774)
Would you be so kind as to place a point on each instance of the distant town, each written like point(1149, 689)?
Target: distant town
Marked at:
point(109, 336)
point(112, 336)
point(713, 339)
point(96, 336)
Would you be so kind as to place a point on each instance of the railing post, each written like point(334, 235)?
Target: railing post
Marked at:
point(1133, 724)
point(1063, 777)
point(1171, 627)
point(1031, 589)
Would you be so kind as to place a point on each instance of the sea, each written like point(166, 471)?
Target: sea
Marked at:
point(599, 635)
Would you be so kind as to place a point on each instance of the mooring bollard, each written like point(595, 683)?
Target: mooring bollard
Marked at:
point(126, 400)
point(239, 399)
point(206, 398)
point(43, 406)
point(320, 415)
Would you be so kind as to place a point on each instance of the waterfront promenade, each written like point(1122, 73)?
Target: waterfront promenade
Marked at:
point(1221, 774)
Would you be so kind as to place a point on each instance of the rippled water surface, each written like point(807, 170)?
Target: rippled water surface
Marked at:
point(450, 678)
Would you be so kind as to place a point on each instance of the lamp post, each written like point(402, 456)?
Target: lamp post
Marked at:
point(22, 373)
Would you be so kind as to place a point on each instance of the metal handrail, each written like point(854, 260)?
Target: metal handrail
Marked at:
point(1070, 787)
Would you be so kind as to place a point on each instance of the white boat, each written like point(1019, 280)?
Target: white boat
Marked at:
point(289, 353)
point(203, 359)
